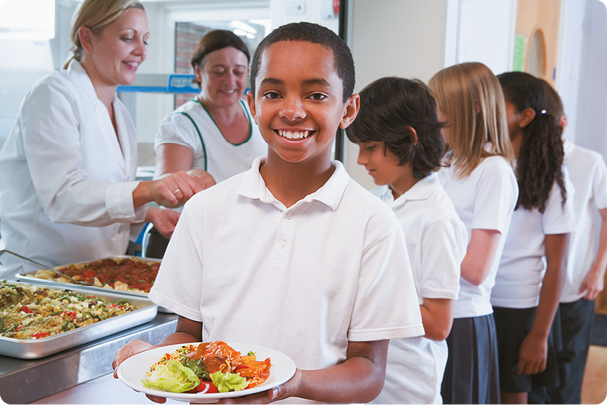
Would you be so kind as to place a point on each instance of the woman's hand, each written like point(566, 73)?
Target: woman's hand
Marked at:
point(164, 220)
point(171, 191)
point(533, 354)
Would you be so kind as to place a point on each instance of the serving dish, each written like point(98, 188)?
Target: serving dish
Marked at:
point(134, 369)
point(30, 277)
point(37, 348)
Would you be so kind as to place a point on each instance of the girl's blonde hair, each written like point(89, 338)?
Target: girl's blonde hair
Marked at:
point(96, 15)
point(471, 97)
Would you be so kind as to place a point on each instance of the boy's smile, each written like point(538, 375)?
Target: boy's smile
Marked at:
point(298, 104)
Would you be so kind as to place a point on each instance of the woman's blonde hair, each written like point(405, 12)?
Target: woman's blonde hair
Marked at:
point(471, 97)
point(96, 15)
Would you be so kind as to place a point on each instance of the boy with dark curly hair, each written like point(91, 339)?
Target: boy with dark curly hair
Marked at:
point(399, 135)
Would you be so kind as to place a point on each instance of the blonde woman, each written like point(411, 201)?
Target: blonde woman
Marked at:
point(67, 171)
point(480, 181)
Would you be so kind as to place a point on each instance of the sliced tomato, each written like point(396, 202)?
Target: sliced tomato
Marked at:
point(204, 384)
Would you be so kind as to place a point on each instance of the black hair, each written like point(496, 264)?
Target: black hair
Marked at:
point(541, 156)
point(215, 40)
point(553, 101)
point(389, 108)
point(315, 34)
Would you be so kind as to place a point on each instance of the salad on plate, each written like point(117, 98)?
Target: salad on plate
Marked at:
point(209, 368)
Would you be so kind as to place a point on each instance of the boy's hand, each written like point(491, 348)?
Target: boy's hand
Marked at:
point(532, 355)
point(131, 349)
point(128, 350)
point(283, 391)
point(592, 284)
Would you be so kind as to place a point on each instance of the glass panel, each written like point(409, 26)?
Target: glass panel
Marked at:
point(537, 52)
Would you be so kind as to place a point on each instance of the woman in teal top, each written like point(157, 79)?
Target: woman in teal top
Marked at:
point(214, 133)
point(213, 136)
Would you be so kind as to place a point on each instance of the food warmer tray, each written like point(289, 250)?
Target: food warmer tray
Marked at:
point(29, 277)
point(37, 348)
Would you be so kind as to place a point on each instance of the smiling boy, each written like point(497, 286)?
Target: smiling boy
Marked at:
point(293, 254)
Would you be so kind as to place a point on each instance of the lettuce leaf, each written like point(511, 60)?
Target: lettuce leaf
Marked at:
point(228, 382)
point(172, 377)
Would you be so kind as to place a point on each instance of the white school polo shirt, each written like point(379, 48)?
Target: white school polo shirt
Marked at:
point(587, 171)
point(436, 242)
point(523, 264)
point(485, 199)
point(305, 280)
point(192, 126)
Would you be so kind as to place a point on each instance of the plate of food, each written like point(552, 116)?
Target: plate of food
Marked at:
point(206, 372)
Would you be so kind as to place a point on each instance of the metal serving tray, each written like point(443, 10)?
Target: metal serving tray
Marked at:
point(30, 277)
point(37, 348)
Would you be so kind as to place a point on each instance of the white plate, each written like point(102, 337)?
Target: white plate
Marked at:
point(133, 370)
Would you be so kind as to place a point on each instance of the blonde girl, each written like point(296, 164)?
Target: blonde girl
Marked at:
point(479, 179)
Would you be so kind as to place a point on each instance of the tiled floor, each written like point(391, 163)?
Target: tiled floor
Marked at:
point(594, 387)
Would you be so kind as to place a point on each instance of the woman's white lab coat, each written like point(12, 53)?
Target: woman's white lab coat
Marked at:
point(66, 182)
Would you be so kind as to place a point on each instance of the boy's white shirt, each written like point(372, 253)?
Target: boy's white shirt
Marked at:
point(305, 280)
point(588, 173)
point(436, 241)
point(523, 264)
point(485, 199)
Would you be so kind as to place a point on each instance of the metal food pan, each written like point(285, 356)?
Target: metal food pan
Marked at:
point(37, 348)
point(30, 277)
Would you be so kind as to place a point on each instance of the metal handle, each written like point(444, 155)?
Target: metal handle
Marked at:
point(43, 266)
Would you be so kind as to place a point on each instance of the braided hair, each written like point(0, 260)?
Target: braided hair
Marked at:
point(540, 161)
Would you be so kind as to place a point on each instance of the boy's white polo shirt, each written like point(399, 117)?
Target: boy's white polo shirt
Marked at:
point(588, 173)
point(305, 280)
point(436, 242)
point(485, 199)
point(523, 264)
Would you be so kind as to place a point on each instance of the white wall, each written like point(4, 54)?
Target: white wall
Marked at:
point(416, 39)
point(591, 125)
point(284, 12)
point(486, 33)
point(569, 61)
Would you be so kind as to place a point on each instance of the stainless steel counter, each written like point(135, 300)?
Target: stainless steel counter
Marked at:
point(24, 381)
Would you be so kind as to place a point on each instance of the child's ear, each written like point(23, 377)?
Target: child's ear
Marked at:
point(350, 111)
point(526, 116)
point(563, 121)
point(251, 103)
point(413, 133)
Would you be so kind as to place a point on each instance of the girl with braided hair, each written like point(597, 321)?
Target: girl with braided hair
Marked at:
point(532, 267)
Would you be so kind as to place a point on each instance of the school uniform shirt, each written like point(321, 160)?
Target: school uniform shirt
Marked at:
point(66, 183)
point(303, 280)
point(523, 263)
point(587, 171)
point(485, 199)
point(436, 242)
point(192, 126)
